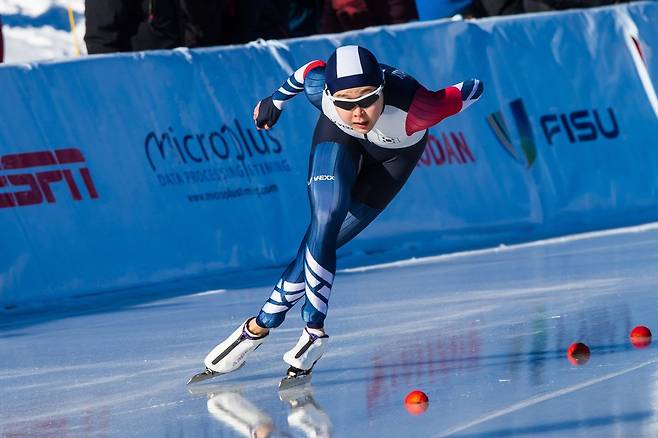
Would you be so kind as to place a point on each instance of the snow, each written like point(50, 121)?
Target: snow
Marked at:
point(35, 8)
point(42, 31)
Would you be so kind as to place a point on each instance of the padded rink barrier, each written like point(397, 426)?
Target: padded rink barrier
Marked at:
point(128, 170)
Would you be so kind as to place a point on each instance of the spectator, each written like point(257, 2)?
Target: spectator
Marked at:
point(342, 15)
point(128, 25)
point(200, 22)
point(249, 20)
point(304, 17)
point(486, 8)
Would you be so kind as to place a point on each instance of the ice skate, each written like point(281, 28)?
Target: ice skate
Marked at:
point(230, 354)
point(303, 356)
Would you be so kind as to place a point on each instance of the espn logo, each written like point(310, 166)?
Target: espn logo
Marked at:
point(35, 172)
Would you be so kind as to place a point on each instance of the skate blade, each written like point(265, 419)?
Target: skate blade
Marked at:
point(297, 393)
point(208, 374)
point(288, 383)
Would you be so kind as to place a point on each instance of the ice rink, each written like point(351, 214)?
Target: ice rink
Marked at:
point(484, 334)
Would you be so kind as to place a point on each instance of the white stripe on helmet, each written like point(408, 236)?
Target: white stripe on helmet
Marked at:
point(348, 62)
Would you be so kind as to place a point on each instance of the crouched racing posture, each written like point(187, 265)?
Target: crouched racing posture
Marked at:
point(371, 133)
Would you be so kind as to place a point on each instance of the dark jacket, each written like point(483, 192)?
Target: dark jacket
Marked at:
point(343, 15)
point(131, 25)
point(486, 8)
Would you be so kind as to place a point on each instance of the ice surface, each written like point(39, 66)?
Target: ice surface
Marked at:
point(484, 334)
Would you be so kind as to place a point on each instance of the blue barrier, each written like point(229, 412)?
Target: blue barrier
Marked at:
point(125, 170)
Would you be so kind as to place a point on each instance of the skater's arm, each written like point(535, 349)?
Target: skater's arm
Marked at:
point(268, 110)
point(430, 107)
point(294, 85)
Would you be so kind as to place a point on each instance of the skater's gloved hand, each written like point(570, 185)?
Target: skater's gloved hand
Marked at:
point(266, 114)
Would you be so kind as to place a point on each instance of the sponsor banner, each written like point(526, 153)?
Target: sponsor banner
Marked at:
point(123, 170)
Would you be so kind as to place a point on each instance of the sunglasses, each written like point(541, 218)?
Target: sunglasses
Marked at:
point(362, 102)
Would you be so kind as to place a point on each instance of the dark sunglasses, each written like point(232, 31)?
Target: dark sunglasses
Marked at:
point(362, 102)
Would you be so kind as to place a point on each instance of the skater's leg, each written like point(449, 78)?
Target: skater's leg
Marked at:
point(378, 181)
point(291, 287)
point(375, 187)
point(287, 292)
point(358, 218)
point(333, 171)
point(323, 162)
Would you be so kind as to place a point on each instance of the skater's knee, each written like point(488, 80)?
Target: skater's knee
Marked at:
point(270, 320)
point(325, 226)
point(329, 218)
point(329, 211)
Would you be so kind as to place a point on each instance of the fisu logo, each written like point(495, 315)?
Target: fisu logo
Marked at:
point(501, 131)
point(321, 178)
point(576, 126)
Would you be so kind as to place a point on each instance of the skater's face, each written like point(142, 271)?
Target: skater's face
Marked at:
point(363, 114)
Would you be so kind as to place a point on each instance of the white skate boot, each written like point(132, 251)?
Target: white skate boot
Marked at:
point(303, 356)
point(230, 354)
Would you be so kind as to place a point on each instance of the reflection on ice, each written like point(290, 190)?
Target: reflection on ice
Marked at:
point(305, 413)
point(231, 408)
point(237, 412)
point(483, 335)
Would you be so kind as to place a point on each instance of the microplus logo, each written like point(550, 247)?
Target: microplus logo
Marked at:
point(236, 144)
point(576, 127)
point(501, 131)
point(34, 174)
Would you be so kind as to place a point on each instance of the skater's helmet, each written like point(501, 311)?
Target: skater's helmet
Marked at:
point(352, 66)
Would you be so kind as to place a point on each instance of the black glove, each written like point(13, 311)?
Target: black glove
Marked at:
point(268, 114)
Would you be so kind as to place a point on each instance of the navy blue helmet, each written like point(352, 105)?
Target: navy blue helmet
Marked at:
point(352, 66)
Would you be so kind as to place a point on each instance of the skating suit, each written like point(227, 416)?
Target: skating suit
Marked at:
point(352, 176)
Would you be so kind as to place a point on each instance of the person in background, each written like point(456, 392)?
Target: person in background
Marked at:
point(130, 25)
point(343, 15)
point(304, 17)
point(200, 22)
point(487, 8)
point(249, 20)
